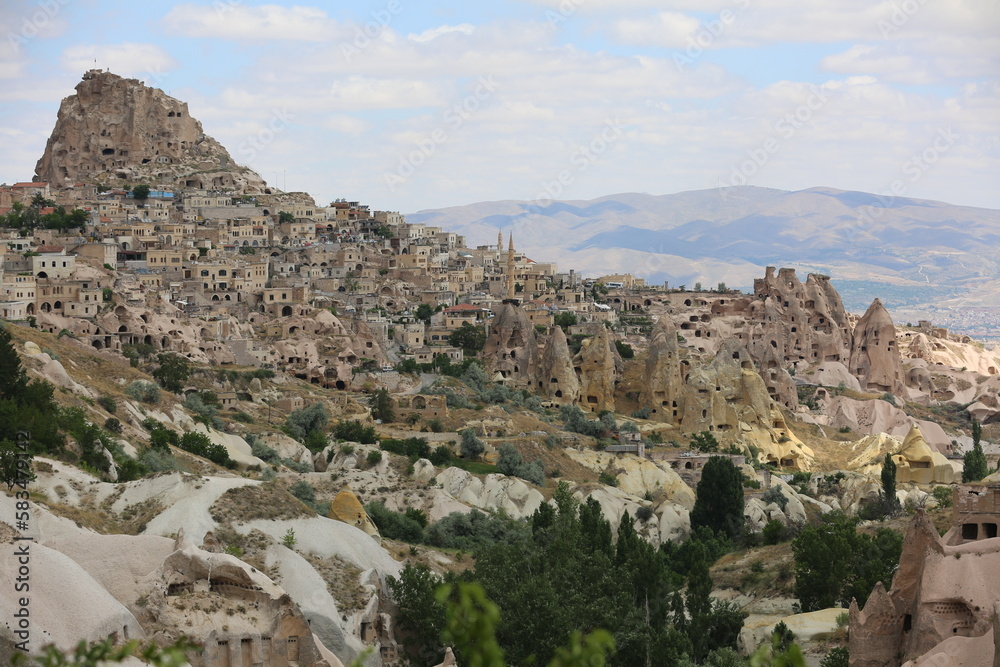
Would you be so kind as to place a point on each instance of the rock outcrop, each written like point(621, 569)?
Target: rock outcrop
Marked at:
point(511, 345)
point(599, 367)
point(728, 398)
point(556, 377)
point(664, 391)
point(917, 462)
point(115, 129)
point(802, 322)
point(875, 358)
point(347, 508)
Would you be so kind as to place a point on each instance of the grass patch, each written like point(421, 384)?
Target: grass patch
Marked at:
point(475, 467)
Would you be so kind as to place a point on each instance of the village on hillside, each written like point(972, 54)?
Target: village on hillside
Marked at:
point(274, 427)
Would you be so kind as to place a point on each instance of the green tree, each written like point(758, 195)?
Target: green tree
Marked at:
point(469, 337)
point(974, 464)
point(172, 372)
point(889, 501)
point(285, 216)
point(420, 617)
point(13, 379)
point(565, 319)
point(624, 350)
point(834, 563)
point(705, 442)
point(719, 500)
point(141, 192)
point(472, 446)
point(424, 312)
point(301, 423)
point(383, 407)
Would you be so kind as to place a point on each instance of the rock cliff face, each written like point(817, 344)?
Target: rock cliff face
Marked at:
point(115, 129)
point(875, 358)
point(511, 345)
point(599, 367)
point(803, 322)
point(556, 377)
point(664, 393)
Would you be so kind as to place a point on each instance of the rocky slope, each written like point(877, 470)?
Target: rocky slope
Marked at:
point(120, 130)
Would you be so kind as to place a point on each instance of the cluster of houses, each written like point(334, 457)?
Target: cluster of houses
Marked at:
point(218, 256)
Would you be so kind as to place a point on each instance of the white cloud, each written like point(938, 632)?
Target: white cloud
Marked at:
point(433, 33)
point(228, 19)
point(666, 29)
point(147, 61)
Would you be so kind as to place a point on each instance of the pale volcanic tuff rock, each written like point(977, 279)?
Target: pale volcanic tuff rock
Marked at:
point(120, 129)
point(664, 390)
point(875, 358)
point(599, 367)
point(511, 344)
point(556, 376)
point(728, 397)
point(803, 322)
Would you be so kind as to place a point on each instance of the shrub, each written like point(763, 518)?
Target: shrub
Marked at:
point(435, 425)
point(200, 445)
point(262, 451)
point(108, 403)
point(301, 423)
point(472, 446)
point(441, 455)
point(289, 539)
point(414, 448)
point(837, 657)
point(607, 479)
point(943, 496)
point(374, 457)
point(704, 442)
point(158, 461)
point(394, 525)
point(774, 532)
point(146, 392)
point(642, 413)
point(644, 513)
point(112, 425)
point(304, 491)
point(355, 431)
point(473, 530)
point(774, 495)
point(510, 463)
point(576, 422)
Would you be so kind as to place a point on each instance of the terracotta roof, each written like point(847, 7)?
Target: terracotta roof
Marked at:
point(29, 184)
point(49, 248)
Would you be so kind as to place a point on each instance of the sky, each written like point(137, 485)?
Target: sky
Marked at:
point(408, 105)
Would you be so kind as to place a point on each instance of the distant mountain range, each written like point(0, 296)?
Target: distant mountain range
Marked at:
point(922, 258)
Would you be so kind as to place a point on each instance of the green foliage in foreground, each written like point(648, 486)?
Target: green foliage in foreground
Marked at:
point(565, 574)
point(834, 563)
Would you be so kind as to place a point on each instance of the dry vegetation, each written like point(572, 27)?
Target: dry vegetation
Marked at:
point(102, 519)
point(343, 581)
point(258, 501)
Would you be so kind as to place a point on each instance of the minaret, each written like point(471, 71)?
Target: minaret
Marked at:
point(499, 243)
point(511, 293)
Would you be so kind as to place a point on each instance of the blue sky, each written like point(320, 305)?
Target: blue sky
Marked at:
point(446, 103)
